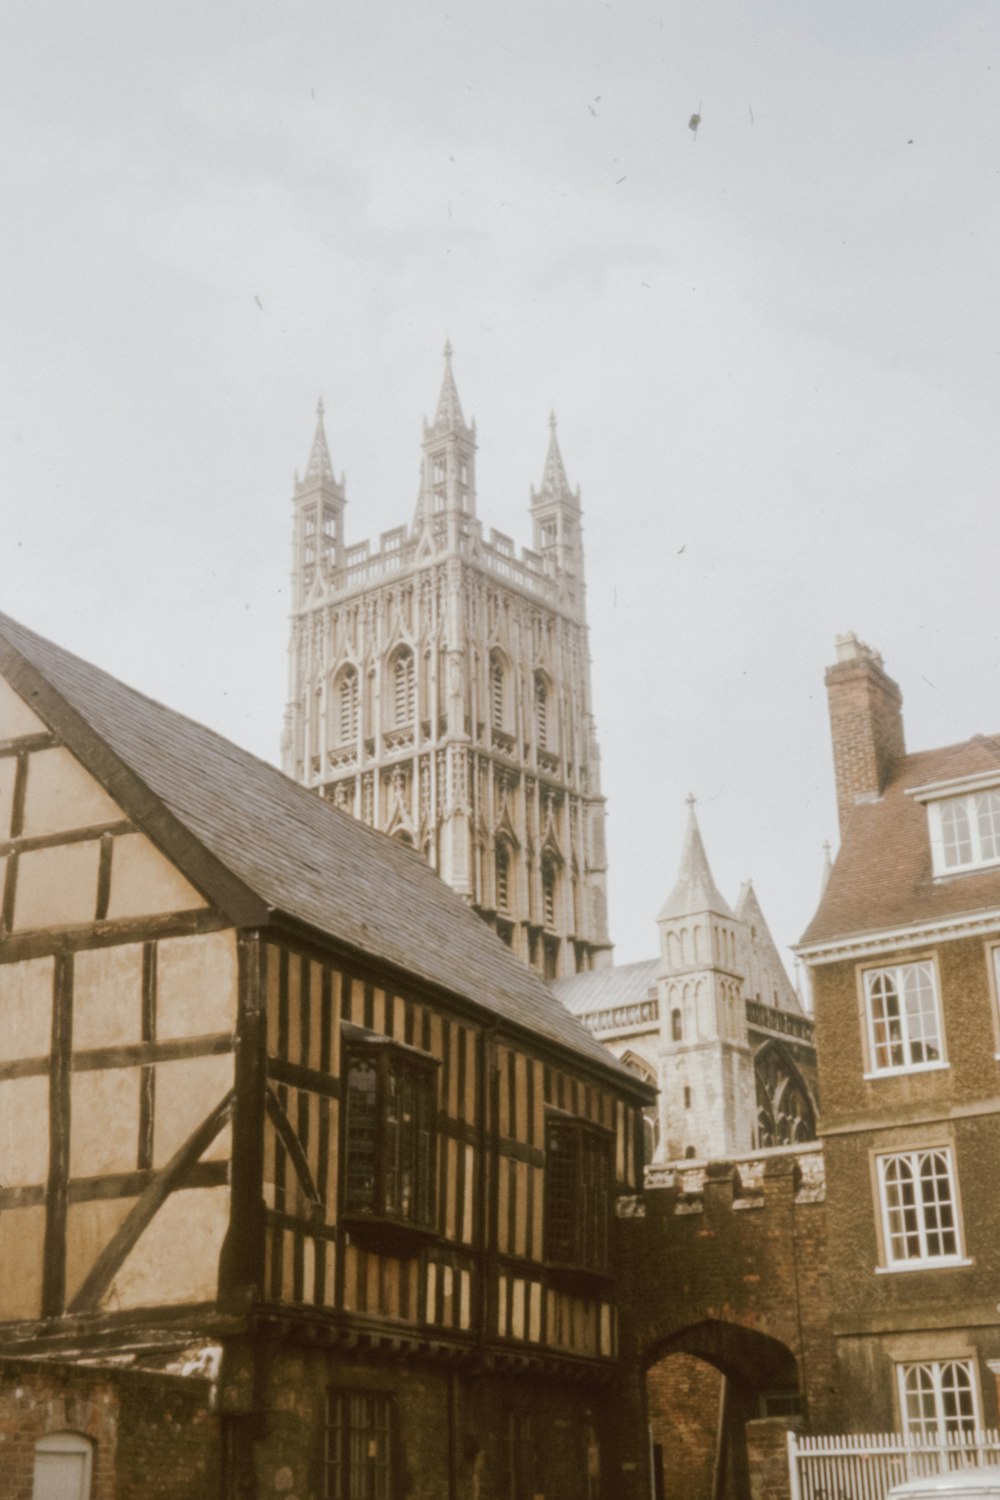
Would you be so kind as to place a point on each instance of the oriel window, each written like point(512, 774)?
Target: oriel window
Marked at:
point(389, 1130)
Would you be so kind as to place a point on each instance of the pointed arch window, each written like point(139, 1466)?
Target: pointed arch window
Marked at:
point(347, 706)
point(541, 711)
point(403, 687)
point(676, 1026)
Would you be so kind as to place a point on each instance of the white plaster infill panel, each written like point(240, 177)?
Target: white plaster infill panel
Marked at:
point(57, 887)
point(26, 1009)
point(144, 882)
point(107, 997)
point(61, 795)
point(17, 720)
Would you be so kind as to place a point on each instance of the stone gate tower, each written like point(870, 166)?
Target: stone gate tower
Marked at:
point(440, 691)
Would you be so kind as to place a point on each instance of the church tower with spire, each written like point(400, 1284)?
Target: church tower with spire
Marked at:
point(439, 690)
point(706, 1062)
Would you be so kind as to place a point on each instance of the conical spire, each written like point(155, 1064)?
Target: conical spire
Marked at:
point(319, 466)
point(448, 416)
point(695, 890)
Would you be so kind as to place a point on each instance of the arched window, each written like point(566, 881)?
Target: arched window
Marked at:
point(496, 690)
point(548, 894)
point(347, 706)
point(541, 711)
point(63, 1466)
point(402, 687)
point(676, 1026)
point(503, 877)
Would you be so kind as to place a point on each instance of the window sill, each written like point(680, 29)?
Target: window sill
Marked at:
point(387, 1236)
point(902, 1071)
point(939, 1263)
point(579, 1279)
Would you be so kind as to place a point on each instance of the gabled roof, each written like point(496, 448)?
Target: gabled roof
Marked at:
point(604, 989)
point(694, 890)
point(263, 849)
point(883, 876)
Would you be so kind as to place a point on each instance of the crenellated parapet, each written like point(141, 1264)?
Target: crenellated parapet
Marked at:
point(745, 1177)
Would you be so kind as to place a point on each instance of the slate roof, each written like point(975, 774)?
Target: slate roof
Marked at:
point(604, 989)
point(298, 855)
point(882, 877)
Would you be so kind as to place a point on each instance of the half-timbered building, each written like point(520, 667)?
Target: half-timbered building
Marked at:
point(287, 1134)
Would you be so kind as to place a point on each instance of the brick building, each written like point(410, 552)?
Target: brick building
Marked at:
point(904, 957)
point(306, 1181)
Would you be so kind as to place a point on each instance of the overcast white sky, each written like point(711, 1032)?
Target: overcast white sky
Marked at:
point(773, 350)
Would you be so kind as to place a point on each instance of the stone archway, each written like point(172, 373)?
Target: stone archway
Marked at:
point(704, 1383)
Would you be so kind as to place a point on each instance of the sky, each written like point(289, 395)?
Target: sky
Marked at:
point(772, 345)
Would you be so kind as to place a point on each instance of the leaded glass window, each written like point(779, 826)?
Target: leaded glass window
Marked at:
point(578, 1188)
point(358, 1452)
point(389, 1130)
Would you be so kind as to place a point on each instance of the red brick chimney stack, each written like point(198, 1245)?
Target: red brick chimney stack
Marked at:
point(866, 723)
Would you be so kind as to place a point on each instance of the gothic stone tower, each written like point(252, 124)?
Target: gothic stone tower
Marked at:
point(705, 1056)
point(440, 691)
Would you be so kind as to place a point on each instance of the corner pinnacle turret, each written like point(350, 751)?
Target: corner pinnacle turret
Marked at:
point(554, 485)
point(319, 467)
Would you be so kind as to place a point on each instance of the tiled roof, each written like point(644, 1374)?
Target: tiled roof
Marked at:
point(882, 877)
point(295, 853)
point(604, 989)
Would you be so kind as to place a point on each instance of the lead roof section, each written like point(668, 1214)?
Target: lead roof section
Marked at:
point(883, 876)
point(263, 848)
point(605, 989)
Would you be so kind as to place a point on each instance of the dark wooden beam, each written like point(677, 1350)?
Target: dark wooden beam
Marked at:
point(173, 1175)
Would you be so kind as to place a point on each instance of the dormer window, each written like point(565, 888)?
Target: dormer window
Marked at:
point(965, 831)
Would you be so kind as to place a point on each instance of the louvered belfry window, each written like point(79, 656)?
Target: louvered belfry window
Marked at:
point(496, 691)
point(541, 711)
point(389, 1131)
point(578, 1189)
point(348, 694)
point(403, 688)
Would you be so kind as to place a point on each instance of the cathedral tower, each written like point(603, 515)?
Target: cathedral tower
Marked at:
point(440, 691)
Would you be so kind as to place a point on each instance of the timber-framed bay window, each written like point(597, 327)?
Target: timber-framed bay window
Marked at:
point(358, 1456)
point(903, 1018)
point(919, 1210)
point(390, 1106)
point(579, 1182)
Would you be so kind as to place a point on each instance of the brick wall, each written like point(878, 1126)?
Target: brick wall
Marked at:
point(684, 1396)
point(152, 1434)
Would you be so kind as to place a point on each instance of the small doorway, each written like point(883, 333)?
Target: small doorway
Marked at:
point(63, 1466)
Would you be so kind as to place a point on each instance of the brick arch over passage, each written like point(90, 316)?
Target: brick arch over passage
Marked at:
point(754, 1359)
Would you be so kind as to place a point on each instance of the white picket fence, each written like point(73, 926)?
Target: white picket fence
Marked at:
point(866, 1466)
